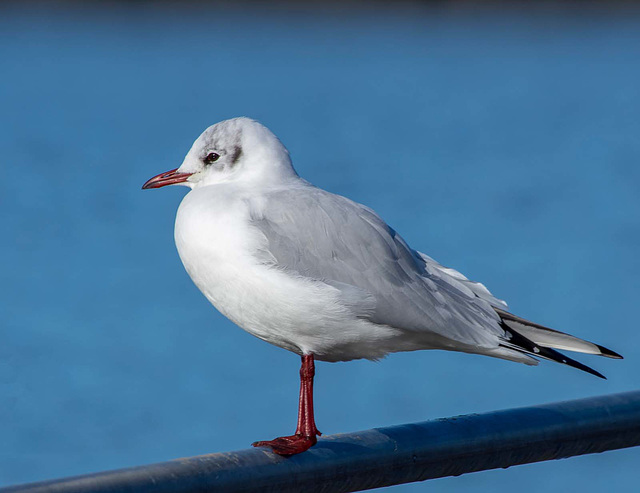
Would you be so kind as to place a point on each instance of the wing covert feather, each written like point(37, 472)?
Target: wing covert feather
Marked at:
point(327, 237)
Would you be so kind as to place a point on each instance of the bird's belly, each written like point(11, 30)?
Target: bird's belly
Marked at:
point(296, 313)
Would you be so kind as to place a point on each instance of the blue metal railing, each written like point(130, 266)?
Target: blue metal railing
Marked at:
point(387, 456)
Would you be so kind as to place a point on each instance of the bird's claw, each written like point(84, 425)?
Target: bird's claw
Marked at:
point(290, 445)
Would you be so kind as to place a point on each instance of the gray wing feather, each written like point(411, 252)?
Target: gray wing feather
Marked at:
point(475, 287)
point(319, 235)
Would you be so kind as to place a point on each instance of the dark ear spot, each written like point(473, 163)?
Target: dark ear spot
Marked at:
point(235, 155)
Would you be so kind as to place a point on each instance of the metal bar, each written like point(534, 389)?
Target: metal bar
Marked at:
point(387, 456)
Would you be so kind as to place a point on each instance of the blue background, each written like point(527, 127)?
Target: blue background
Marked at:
point(503, 143)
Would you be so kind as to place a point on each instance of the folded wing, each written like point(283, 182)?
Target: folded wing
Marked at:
point(315, 234)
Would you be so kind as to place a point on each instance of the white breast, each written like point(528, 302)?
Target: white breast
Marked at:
point(221, 252)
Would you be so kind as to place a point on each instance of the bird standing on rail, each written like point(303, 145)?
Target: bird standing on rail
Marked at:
point(326, 277)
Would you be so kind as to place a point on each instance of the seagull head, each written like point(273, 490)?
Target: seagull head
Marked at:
point(236, 150)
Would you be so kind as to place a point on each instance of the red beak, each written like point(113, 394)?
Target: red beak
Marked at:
point(166, 178)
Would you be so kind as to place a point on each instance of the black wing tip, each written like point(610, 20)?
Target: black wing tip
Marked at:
point(559, 357)
point(586, 368)
point(608, 353)
point(534, 349)
point(510, 316)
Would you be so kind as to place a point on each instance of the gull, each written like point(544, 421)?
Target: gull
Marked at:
point(325, 277)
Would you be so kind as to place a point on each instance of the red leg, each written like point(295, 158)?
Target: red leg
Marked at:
point(306, 431)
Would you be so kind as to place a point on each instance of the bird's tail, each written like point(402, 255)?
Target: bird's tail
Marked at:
point(536, 340)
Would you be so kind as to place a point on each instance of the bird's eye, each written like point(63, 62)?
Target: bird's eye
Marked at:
point(211, 157)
